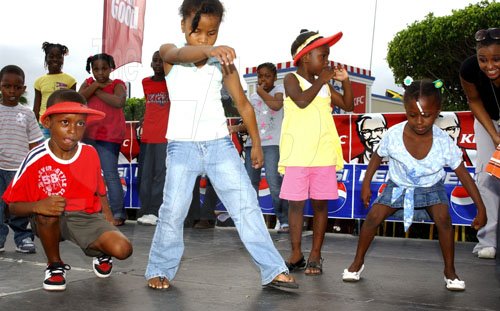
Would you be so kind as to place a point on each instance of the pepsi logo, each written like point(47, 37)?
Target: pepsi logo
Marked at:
point(461, 204)
point(340, 202)
point(381, 189)
point(264, 187)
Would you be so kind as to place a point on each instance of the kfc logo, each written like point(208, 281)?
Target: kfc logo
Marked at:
point(370, 127)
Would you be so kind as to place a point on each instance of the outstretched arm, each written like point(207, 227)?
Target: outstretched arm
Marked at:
point(469, 184)
point(233, 86)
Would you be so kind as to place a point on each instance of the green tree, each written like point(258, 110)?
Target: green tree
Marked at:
point(134, 109)
point(436, 46)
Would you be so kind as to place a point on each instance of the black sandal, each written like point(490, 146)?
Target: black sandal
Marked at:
point(314, 265)
point(283, 284)
point(299, 264)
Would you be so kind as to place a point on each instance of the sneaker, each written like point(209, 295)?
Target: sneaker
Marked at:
point(102, 266)
point(487, 253)
point(27, 246)
point(147, 220)
point(55, 276)
point(2, 248)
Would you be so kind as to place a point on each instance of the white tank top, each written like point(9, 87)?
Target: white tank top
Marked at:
point(196, 112)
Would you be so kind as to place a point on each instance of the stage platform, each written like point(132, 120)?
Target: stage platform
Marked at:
point(217, 273)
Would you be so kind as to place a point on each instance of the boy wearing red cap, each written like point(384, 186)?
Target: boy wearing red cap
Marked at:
point(60, 185)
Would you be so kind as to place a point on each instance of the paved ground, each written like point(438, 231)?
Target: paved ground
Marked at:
point(217, 274)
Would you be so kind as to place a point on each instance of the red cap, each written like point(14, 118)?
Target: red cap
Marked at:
point(313, 43)
point(73, 107)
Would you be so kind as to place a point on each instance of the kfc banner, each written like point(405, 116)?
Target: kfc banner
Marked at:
point(123, 29)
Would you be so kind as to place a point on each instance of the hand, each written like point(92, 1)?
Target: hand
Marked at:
point(340, 74)
point(496, 139)
point(224, 54)
point(257, 157)
point(326, 74)
point(51, 206)
point(479, 221)
point(366, 195)
point(108, 215)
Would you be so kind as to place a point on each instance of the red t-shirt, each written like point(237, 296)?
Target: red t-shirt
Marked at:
point(154, 126)
point(112, 127)
point(79, 180)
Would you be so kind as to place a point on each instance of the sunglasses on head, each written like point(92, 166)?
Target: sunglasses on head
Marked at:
point(493, 33)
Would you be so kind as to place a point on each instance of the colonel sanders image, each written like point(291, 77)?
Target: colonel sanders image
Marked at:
point(370, 128)
point(448, 121)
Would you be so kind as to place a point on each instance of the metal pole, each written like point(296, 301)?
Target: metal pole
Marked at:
point(373, 33)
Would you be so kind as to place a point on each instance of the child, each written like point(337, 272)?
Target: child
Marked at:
point(106, 135)
point(153, 143)
point(198, 142)
point(417, 151)
point(55, 79)
point(267, 103)
point(61, 186)
point(19, 132)
point(310, 150)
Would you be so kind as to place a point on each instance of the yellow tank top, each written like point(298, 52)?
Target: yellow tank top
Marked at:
point(309, 137)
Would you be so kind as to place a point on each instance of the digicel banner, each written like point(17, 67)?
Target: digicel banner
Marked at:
point(123, 30)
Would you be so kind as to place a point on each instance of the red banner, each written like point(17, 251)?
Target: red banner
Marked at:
point(123, 30)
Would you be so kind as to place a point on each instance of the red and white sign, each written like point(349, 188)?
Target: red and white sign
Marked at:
point(123, 30)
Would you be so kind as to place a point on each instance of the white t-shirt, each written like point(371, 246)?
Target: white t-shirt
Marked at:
point(196, 112)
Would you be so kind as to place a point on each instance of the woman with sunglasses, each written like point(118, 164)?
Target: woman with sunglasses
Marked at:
point(480, 78)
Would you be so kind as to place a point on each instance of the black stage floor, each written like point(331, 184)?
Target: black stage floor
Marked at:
point(217, 273)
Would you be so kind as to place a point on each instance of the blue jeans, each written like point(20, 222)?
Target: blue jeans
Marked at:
point(18, 224)
point(274, 179)
point(108, 155)
point(223, 166)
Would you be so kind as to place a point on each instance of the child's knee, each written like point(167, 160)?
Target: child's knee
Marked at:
point(442, 220)
point(42, 220)
point(122, 249)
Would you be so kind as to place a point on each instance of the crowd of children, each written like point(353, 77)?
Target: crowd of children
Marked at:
point(69, 190)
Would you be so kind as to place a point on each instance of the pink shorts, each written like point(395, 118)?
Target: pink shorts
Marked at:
point(301, 183)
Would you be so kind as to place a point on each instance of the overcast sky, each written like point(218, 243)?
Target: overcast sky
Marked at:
point(259, 30)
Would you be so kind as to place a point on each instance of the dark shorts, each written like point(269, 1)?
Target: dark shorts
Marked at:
point(82, 229)
point(423, 197)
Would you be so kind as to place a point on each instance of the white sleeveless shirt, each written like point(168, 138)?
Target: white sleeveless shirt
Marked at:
point(196, 112)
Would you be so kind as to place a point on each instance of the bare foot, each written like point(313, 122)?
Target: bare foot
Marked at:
point(159, 282)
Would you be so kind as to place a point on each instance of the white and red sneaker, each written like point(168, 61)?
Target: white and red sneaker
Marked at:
point(102, 266)
point(55, 276)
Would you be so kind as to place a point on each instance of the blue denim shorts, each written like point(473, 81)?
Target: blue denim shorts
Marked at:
point(423, 196)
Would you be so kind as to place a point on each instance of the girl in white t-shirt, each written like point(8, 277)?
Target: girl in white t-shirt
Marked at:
point(417, 151)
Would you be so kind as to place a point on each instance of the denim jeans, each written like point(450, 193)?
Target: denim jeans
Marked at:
point(18, 224)
point(108, 155)
point(151, 177)
point(222, 164)
point(274, 179)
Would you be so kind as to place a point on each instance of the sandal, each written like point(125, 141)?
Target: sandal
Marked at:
point(348, 276)
point(454, 285)
point(298, 265)
point(314, 265)
point(163, 284)
point(283, 284)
